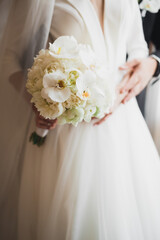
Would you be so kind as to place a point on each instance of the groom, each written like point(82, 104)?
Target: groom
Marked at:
point(140, 72)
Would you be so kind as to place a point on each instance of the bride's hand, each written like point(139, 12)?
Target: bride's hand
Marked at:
point(102, 119)
point(119, 98)
point(43, 123)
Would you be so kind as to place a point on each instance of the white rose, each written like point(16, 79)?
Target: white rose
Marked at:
point(72, 116)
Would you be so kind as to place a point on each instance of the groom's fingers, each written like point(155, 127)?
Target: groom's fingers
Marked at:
point(133, 92)
point(122, 84)
point(132, 81)
point(130, 65)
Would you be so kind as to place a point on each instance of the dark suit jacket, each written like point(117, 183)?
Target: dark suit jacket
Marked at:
point(151, 26)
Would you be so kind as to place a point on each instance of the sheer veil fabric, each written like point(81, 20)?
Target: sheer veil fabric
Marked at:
point(24, 29)
point(99, 183)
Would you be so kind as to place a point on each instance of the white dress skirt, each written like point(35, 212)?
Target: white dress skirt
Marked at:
point(152, 112)
point(94, 182)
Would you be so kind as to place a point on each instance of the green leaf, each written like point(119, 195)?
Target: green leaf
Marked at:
point(36, 139)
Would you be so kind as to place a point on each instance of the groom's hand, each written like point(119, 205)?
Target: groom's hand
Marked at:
point(139, 73)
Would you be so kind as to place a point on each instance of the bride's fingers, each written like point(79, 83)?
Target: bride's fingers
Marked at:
point(41, 122)
point(34, 108)
point(46, 126)
point(43, 126)
point(46, 120)
point(53, 125)
point(45, 123)
point(102, 120)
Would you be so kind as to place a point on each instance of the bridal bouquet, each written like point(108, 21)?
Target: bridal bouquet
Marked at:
point(150, 5)
point(69, 84)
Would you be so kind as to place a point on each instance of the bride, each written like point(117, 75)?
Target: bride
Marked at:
point(94, 182)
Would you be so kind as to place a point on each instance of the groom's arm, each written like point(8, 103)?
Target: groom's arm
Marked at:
point(156, 56)
point(151, 23)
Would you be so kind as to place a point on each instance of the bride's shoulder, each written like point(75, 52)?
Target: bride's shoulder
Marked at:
point(66, 9)
point(66, 20)
point(66, 6)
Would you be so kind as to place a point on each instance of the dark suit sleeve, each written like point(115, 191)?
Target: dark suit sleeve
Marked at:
point(155, 38)
point(148, 25)
point(151, 26)
point(157, 53)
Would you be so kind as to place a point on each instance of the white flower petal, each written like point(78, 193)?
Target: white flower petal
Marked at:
point(51, 79)
point(64, 47)
point(55, 94)
point(59, 110)
point(89, 78)
point(89, 112)
point(80, 85)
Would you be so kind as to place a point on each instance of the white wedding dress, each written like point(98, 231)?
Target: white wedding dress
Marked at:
point(94, 182)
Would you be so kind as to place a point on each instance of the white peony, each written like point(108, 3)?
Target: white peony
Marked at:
point(47, 110)
point(72, 116)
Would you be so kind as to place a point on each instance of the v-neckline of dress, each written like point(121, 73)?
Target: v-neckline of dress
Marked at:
point(90, 17)
point(95, 13)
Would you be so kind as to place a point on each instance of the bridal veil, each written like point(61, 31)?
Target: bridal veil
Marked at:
point(24, 29)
